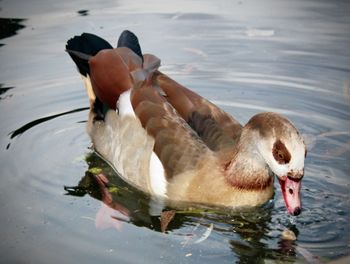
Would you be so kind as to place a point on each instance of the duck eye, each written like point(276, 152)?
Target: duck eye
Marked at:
point(280, 152)
point(280, 155)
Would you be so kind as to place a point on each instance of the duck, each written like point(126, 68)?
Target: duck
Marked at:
point(172, 143)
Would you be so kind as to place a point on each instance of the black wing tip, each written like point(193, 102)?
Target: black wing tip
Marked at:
point(87, 43)
point(129, 40)
point(79, 54)
point(82, 48)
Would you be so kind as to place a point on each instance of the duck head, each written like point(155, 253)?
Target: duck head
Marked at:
point(283, 149)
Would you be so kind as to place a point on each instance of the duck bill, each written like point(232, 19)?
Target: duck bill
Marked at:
point(291, 195)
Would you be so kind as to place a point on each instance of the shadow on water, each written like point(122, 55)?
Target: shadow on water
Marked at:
point(9, 27)
point(3, 90)
point(83, 12)
point(247, 232)
point(38, 121)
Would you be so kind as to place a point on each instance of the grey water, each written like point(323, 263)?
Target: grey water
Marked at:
point(247, 56)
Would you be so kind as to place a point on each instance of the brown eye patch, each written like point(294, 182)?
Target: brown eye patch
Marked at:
point(280, 152)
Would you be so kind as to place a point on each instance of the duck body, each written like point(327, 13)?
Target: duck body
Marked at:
point(133, 156)
point(170, 142)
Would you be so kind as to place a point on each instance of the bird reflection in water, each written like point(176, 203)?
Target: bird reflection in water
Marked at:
point(247, 231)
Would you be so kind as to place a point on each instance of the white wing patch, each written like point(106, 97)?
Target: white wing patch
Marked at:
point(157, 176)
point(124, 104)
point(156, 170)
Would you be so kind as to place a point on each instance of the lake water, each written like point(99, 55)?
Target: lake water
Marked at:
point(291, 57)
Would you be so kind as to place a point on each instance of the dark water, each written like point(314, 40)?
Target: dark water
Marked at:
point(291, 57)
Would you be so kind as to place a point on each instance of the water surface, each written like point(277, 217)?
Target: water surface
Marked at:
point(291, 57)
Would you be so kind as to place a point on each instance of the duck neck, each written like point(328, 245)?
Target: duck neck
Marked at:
point(248, 169)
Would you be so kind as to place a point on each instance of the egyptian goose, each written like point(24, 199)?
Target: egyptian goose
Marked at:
point(170, 142)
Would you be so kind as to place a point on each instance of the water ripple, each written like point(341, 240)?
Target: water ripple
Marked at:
point(277, 82)
point(38, 121)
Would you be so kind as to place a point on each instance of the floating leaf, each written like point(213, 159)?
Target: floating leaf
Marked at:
point(113, 189)
point(95, 170)
point(165, 219)
point(288, 235)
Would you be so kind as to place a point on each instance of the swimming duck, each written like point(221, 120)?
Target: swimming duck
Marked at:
point(170, 142)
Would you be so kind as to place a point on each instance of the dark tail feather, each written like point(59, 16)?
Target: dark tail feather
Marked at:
point(79, 55)
point(129, 40)
point(81, 48)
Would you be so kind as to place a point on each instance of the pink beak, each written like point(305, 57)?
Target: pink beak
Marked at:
point(291, 195)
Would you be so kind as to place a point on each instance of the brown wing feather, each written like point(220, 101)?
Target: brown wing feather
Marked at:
point(216, 128)
point(110, 73)
point(178, 147)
